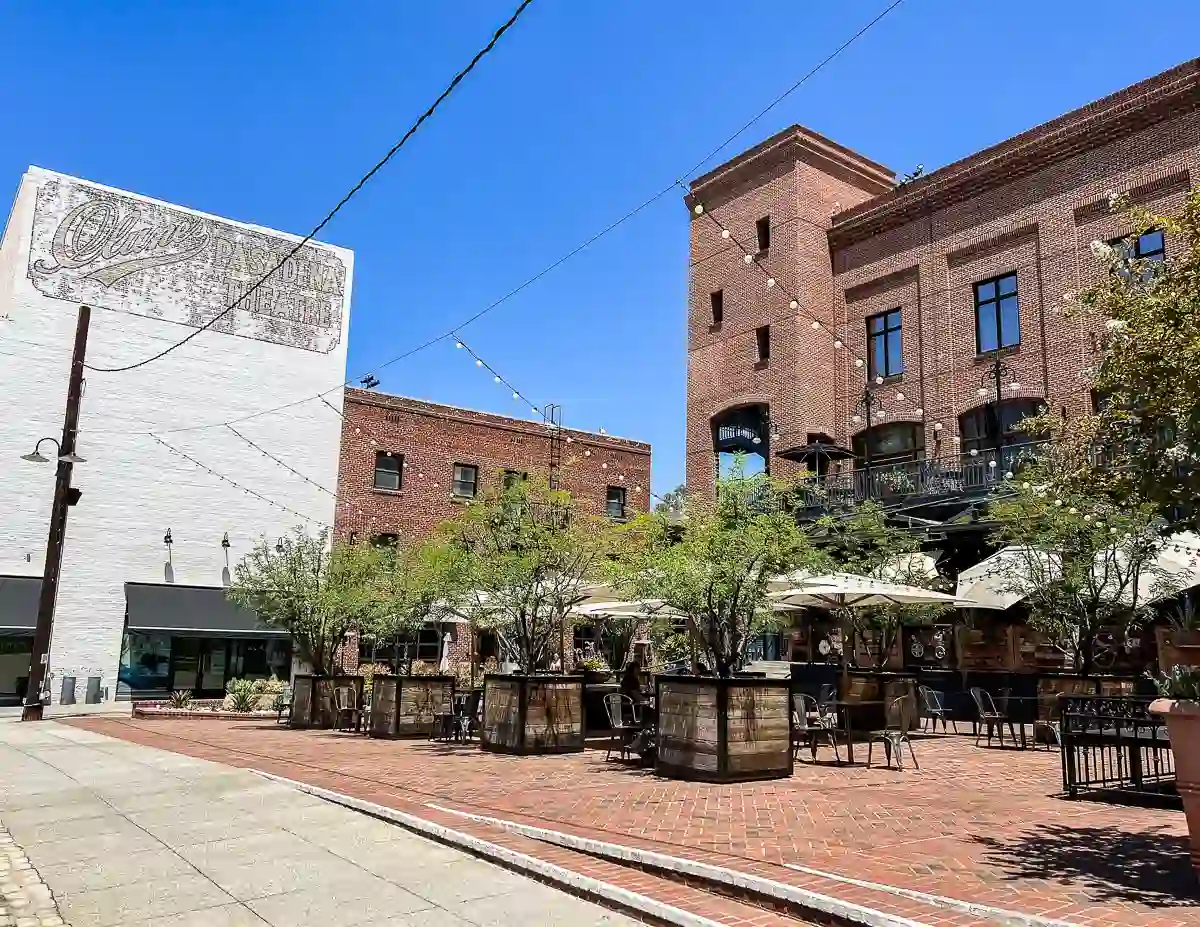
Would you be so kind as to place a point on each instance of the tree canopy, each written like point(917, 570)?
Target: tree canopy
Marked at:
point(712, 567)
point(521, 559)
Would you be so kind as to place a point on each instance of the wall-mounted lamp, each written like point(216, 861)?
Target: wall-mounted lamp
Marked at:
point(225, 540)
point(279, 546)
point(167, 539)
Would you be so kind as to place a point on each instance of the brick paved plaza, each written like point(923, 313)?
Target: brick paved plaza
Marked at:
point(974, 824)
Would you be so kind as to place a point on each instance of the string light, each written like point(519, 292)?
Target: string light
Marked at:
point(285, 466)
point(770, 282)
point(236, 485)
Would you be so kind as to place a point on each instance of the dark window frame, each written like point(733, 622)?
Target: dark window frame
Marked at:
point(716, 306)
point(618, 496)
point(762, 343)
point(456, 483)
point(762, 233)
point(398, 472)
point(875, 338)
point(983, 421)
point(992, 304)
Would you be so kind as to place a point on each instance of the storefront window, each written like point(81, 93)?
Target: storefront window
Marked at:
point(145, 661)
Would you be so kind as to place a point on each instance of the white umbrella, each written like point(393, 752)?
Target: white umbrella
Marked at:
point(998, 581)
point(1174, 568)
point(849, 590)
point(903, 567)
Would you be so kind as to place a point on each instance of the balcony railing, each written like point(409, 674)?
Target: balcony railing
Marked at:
point(932, 478)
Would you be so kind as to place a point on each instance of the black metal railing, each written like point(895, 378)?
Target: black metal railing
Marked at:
point(954, 475)
point(1113, 745)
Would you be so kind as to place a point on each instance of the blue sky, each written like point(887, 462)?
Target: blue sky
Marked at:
point(268, 111)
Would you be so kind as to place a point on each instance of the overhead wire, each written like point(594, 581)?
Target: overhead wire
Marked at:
point(630, 214)
point(413, 129)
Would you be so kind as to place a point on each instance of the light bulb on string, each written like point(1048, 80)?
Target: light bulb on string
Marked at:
point(856, 419)
point(900, 397)
point(937, 426)
point(858, 362)
point(516, 395)
point(770, 282)
point(920, 412)
point(698, 209)
point(748, 259)
point(458, 344)
point(837, 342)
point(816, 325)
point(478, 362)
point(496, 378)
point(982, 391)
point(879, 381)
point(725, 233)
point(794, 304)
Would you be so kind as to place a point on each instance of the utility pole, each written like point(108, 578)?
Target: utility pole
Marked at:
point(38, 659)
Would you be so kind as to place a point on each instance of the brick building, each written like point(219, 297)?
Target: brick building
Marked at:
point(407, 465)
point(841, 299)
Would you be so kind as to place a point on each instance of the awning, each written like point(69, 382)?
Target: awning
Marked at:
point(194, 611)
point(19, 604)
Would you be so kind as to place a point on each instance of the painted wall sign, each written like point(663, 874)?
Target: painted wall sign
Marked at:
point(116, 252)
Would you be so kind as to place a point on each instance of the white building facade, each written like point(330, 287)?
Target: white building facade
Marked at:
point(169, 446)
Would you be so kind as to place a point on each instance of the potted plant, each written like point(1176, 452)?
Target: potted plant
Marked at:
point(710, 570)
point(1179, 640)
point(595, 669)
point(522, 560)
point(1180, 705)
point(318, 592)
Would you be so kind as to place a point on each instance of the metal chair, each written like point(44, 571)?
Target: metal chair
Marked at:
point(991, 716)
point(901, 713)
point(615, 705)
point(345, 702)
point(933, 709)
point(1048, 715)
point(283, 705)
point(466, 721)
point(805, 731)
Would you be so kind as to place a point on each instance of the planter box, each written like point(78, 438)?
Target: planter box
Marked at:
point(408, 706)
point(723, 730)
point(532, 714)
point(313, 702)
point(1177, 648)
point(1183, 727)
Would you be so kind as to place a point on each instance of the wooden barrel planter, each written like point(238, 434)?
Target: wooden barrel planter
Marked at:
point(313, 702)
point(532, 714)
point(408, 706)
point(723, 730)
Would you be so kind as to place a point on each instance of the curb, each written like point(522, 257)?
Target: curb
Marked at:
point(780, 891)
point(802, 898)
point(592, 889)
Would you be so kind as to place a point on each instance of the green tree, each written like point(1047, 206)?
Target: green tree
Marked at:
point(414, 582)
point(713, 566)
point(866, 543)
point(521, 559)
point(315, 591)
point(1082, 562)
point(1149, 425)
point(672, 501)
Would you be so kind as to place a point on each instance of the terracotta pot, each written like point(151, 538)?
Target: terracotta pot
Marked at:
point(1183, 725)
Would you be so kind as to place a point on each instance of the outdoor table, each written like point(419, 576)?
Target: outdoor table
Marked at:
point(844, 707)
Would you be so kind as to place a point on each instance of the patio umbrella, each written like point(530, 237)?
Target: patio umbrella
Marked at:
point(996, 581)
point(849, 590)
point(909, 566)
point(1174, 568)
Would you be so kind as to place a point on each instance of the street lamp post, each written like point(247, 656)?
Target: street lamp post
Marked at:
point(869, 402)
point(64, 497)
point(994, 377)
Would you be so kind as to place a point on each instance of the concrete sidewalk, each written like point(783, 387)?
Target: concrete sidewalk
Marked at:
point(132, 836)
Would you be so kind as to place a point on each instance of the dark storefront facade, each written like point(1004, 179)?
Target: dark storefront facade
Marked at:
point(18, 617)
point(194, 638)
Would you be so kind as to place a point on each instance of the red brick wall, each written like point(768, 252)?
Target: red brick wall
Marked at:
point(1030, 205)
point(432, 438)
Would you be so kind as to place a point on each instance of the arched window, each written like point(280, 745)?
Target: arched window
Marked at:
point(743, 430)
point(979, 428)
point(895, 442)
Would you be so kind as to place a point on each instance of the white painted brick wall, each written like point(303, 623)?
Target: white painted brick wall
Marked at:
point(133, 489)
